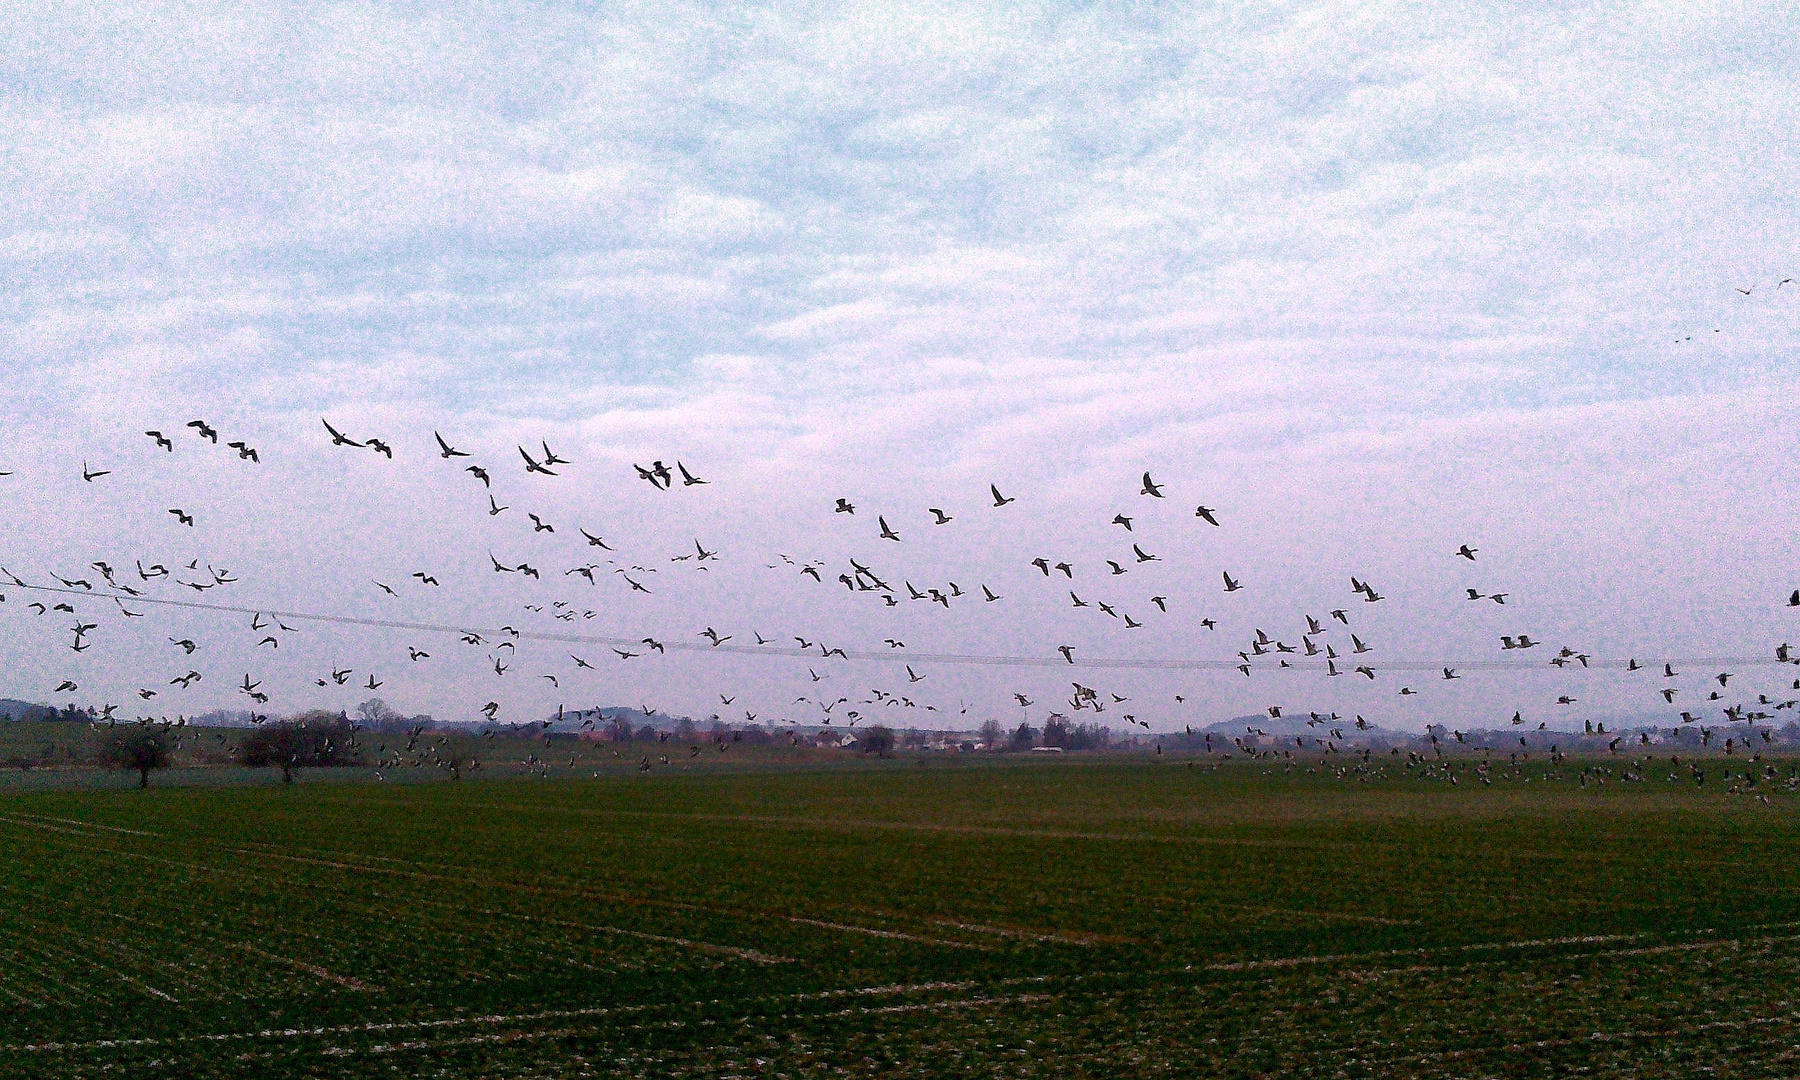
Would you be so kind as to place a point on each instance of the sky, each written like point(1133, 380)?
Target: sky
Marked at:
point(1371, 280)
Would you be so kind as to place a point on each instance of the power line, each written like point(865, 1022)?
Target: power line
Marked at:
point(1592, 664)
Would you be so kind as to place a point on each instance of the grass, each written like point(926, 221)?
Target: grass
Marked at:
point(1112, 916)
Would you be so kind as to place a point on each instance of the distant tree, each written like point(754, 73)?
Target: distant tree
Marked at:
point(310, 740)
point(878, 740)
point(991, 734)
point(378, 715)
point(1056, 730)
point(1023, 738)
point(1088, 737)
point(137, 746)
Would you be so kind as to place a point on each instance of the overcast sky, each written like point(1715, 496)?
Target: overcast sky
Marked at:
point(1373, 280)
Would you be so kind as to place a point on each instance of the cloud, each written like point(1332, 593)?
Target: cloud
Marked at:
point(1372, 277)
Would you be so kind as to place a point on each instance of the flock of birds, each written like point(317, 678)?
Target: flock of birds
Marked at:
point(1328, 641)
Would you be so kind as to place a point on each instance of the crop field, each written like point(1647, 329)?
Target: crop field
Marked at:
point(1103, 917)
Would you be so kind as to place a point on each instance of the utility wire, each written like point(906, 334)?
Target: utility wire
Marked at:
point(1593, 664)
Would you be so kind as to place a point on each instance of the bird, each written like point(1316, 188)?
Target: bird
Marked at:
point(338, 438)
point(1161, 602)
point(988, 595)
point(424, 578)
point(1205, 513)
point(480, 474)
point(1042, 564)
point(942, 518)
point(533, 466)
point(1142, 557)
point(999, 499)
point(90, 475)
point(245, 451)
point(494, 507)
point(389, 589)
point(844, 507)
point(887, 533)
point(538, 524)
point(1467, 552)
point(1067, 570)
point(162, 440)
point(445, 450)
point(594, 541)
point(1151, 488)
point(688, 479)
point(204, 430)
point(1231, 585)
point(1121, 519)
point(183, 516)
point(1068, 652)
point(550, 457)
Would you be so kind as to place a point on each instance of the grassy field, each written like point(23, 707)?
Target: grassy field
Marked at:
point(1114, 916)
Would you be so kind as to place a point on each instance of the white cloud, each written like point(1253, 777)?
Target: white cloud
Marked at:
point(1372, 276)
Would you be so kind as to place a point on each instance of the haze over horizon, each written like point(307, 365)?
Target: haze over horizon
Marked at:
point(1370, 281)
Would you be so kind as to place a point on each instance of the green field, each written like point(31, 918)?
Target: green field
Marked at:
point(1112, 916)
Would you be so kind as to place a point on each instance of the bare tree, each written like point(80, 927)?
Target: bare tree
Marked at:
point(878, 740)
point(991, 734)
point(310, 740)
point(137, 746)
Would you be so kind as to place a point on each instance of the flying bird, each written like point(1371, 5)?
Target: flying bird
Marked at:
point(999, 499)
point(445, 450)
point(533, 466)
point(162, 440)
point(1151, 488)
point(338, 438)
point(1206, 513)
